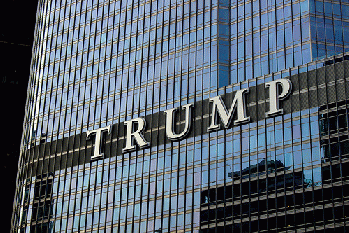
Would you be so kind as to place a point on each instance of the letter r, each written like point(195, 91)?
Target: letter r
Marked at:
point(136, 136)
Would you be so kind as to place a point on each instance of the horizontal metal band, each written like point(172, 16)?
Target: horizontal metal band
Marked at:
point(313, 89)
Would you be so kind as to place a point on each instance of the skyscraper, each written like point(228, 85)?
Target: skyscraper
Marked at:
point(185, 116)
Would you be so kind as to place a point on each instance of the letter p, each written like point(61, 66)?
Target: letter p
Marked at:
point(278, 90)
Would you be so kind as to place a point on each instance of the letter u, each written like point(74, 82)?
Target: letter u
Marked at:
point(170, 124)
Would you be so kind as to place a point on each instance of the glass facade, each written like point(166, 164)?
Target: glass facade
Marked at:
point(103, 63)
point(257, 38)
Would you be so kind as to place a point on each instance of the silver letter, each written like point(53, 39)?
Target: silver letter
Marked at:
point(226, 116)
point(275, 95)
point(97, 150)
point(170, 123)
point(135, 135)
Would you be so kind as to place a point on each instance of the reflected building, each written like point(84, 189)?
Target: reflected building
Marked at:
point(334, 141)
point(42, 207)
point(224, 208)
point(258, 137)
point(242, 204)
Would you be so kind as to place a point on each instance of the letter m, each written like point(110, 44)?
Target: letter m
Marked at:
point(225, 115)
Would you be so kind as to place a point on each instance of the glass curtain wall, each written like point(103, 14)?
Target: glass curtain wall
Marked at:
point(261, 37)
point(99, 63)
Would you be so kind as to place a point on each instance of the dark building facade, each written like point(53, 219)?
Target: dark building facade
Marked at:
point(132, 127)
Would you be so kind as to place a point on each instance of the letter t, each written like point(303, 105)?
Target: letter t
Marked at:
point(99, 136)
